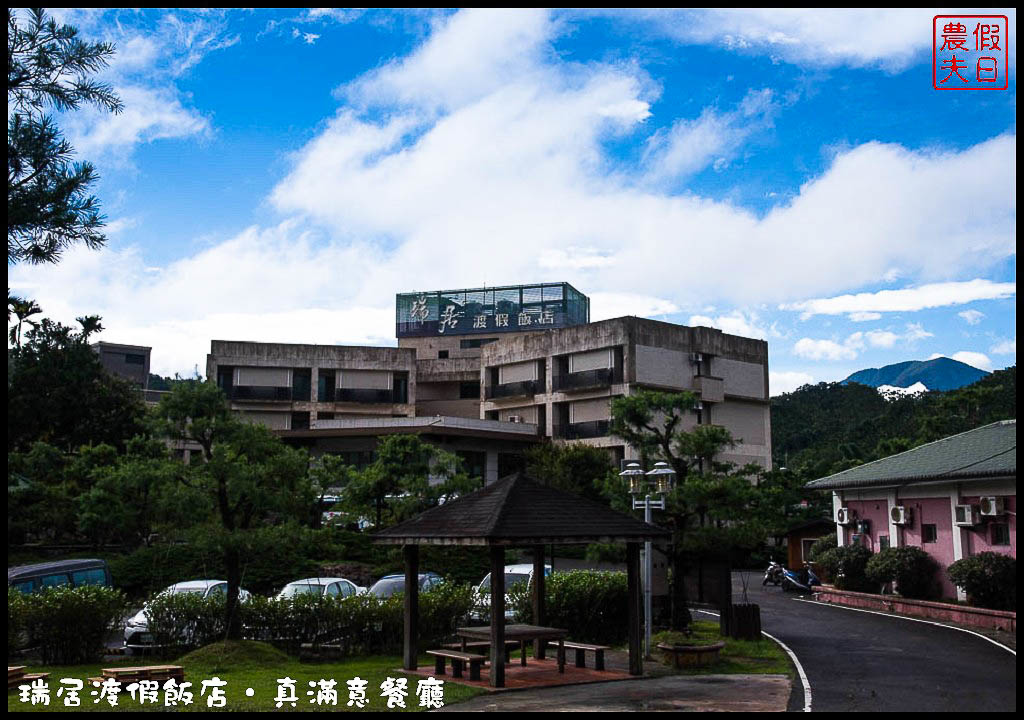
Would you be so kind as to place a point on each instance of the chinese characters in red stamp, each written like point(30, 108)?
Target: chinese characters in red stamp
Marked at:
point(970, 52)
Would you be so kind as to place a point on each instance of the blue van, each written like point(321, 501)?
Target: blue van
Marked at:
point(59, 573)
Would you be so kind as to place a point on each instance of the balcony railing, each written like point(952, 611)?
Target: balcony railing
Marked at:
point(587, 379)
point(366, 395)
point(527, 387)
point(578, 431)
point(254, 392)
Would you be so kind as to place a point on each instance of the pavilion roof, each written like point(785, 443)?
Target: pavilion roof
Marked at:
point(519, 511)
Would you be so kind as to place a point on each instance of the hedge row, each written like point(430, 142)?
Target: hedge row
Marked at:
point(988, 578)
point(360, 624)
point(591, 605)
point(68, 625)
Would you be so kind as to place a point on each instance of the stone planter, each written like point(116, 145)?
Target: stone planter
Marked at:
point(681, 656)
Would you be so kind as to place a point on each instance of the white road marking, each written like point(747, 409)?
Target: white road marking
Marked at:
point(792, 656)
point(904, 617)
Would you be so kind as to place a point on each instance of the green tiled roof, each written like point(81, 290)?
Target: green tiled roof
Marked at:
point(985, 452)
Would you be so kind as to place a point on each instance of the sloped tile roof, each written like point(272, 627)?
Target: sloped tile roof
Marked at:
point(985, 452)
point(518, 511)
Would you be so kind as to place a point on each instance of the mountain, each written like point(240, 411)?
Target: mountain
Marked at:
point(942, 373)
point(824, 428)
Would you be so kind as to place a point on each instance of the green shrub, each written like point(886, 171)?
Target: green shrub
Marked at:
point(17, 607)
point(821, 546)
point(591, 605)
point(184, 621)
point(847, 567)
point(359, 624)
point(70, 625)
point(988, 578)
point(911, 568)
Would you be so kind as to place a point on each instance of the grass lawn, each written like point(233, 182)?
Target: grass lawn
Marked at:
point(248, 665)
point(739, 657)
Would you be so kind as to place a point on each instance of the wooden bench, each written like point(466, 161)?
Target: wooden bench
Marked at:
point(485, 646)
point(581, 653)
point(458, 660)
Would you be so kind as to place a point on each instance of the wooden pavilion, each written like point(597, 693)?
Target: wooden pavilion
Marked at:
point(517, 512)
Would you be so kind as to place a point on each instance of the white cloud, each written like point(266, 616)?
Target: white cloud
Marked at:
point(882, 338)
point(481, 156)
point(149, 114)
point(610, 305)
point(828, 349)
point(786, 382)
point(1005, 347)
point(973, 317)
point(865, 316)
point(974, 359)
point(888, 38)
point(714, 138)
point(854, 343)
point(735, 323)
point(507, 151)
point(909, 299)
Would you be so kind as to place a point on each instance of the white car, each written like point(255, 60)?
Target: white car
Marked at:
point(136, 630)
point(321, 587)
point(514, 574)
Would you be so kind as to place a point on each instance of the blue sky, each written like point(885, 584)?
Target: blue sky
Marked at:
point(280, 175)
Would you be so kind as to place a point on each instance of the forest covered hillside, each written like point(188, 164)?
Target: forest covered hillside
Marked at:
point(821, 429)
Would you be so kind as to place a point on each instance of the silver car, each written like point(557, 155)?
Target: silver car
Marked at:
point(136, 630)
point(321, 587)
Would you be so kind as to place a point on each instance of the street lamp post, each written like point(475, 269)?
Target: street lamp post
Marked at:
point(662, 476)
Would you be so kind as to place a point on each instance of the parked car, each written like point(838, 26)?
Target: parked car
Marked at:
point(321, 587)
point(514, 574)
point(60, 573)
point(136, 630)
point(391, 584)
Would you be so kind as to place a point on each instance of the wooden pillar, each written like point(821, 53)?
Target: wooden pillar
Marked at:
point(497, 674)
point(410, 653)
point(539, 613)
point(634, 618)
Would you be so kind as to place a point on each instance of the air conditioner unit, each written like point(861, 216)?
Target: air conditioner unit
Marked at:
point(900, 515)
point(515, 418)
point(966, 515)
point(844, 516)
point(991, 506)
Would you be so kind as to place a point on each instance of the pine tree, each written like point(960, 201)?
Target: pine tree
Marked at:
point(49, 207)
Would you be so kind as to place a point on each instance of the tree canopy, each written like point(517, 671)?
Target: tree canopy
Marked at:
point(58, 392)
point(49, 69)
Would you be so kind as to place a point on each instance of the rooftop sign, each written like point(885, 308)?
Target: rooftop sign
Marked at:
point(512, 308)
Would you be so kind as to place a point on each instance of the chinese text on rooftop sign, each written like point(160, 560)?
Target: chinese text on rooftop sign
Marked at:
point(970, 52)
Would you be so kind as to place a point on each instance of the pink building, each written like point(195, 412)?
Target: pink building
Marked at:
point(953, 498)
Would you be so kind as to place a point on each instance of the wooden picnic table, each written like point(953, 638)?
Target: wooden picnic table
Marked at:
point(523, 634)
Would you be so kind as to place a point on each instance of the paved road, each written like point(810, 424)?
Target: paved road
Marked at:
point(861, 662)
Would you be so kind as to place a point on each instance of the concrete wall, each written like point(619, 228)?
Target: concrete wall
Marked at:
point(113, 358)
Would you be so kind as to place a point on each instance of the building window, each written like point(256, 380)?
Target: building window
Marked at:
point(1000, 534)
point(929, 534)
point(883, 542)
point(132, 359)
point(469, 391)
point(442, 354)
point(475, 343)
point(300, 421)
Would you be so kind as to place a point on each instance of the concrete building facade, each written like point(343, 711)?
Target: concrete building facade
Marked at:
point(509, 367)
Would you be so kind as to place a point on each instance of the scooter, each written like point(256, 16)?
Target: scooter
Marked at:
point(773, 574)
point(802, 580)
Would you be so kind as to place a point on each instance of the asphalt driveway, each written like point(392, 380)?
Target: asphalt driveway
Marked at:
point(862, 662)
